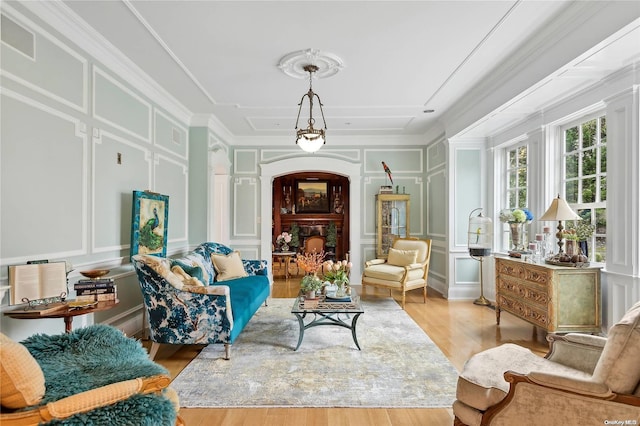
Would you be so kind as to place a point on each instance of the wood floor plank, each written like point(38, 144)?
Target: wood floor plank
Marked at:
point(460, 329)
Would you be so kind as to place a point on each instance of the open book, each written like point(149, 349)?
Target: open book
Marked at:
point(37, 281)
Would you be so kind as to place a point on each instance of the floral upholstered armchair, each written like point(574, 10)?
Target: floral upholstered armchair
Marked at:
point(189, 300)
point(583, 380)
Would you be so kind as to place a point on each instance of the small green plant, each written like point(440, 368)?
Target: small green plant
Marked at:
point(310, 283)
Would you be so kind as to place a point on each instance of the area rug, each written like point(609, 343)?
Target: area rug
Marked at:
point(398, 366)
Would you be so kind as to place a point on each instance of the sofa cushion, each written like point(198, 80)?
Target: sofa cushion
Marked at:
point(228, 266)
point(162, 266)
point(401, 257)
point(422, 246)
point(190, 271)
point(481, 383)
point(618, 366)
point(21, 378)
point(247, 295)
point(383, 273)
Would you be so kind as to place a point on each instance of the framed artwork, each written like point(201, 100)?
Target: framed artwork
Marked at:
point(150, 215)
point(312, 197)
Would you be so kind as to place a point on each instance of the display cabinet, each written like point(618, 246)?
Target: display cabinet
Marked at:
point(392, 221)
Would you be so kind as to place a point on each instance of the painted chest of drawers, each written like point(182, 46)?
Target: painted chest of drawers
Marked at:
point(555, 298)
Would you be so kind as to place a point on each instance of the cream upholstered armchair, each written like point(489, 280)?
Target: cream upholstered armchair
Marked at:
point(406, 268)
point(583, 380)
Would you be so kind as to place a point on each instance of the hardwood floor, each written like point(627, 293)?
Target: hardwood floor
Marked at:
point(460, 329)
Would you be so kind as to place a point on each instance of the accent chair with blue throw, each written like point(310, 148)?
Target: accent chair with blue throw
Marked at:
point(205, 297)
point(91, 376)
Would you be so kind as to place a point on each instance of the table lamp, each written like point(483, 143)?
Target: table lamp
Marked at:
point(559, 210)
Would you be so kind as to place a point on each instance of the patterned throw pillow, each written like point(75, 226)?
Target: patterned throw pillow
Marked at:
point(21, 378)
point(189, 271)
point(402, 257)
point(228, 266)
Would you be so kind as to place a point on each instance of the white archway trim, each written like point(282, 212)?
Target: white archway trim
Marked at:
point(320, 164)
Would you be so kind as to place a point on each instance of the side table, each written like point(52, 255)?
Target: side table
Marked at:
point(66, 314)
point(285, 256)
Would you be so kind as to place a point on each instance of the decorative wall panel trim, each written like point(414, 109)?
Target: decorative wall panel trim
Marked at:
point(184, 169)
point(433, 203)
point(179, 132)
point(60, 17)
point(250, 196)
point(269, 155)
point(405, 155)
point(35, 29)
point(135, 98)
point(436, 155)
point(247, 165)
point(78, 126)
point(98, 139)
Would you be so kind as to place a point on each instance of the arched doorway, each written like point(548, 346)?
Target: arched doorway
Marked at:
point(320, 164)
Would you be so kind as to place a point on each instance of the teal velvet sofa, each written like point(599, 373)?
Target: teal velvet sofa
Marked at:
point(207, 296)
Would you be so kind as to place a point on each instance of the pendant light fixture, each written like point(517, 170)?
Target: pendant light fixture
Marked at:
point(310, 139)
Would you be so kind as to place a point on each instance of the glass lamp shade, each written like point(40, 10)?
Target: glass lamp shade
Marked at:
point(480, 235)
point(309, 140)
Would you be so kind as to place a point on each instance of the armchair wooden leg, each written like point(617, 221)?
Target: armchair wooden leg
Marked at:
point(227, 351)
point(424, 294)
point(404, 296)
point(154, 350)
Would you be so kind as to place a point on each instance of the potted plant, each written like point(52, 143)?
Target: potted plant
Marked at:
point(310, 284)
point(337, 273)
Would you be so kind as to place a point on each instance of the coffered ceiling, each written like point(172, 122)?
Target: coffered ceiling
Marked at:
point(398, 59)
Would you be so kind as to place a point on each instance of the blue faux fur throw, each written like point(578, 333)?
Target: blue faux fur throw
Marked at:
point(95, 356)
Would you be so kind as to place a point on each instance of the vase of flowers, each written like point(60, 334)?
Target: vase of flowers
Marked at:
point(310, 264)
point(283, 240)
point(516, 218)
point(337, 273)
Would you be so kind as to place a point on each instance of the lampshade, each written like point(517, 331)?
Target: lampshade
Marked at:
point(559, 210)
point(310, 139)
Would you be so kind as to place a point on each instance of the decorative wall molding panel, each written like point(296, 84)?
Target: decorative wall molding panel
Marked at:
point(118, 167)
point(34, 153)
point(245, 161)
point(169, 135)
point(171, 177)
point(55, 70)
point(117, 105)
point(399, 160)
point(245, 206)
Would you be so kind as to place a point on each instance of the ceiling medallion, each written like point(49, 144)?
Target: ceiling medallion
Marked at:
point(294, 63)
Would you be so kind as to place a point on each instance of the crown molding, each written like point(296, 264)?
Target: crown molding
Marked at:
point(66, 22)
point(538, 59)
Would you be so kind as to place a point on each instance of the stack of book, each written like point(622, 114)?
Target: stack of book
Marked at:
point(96, 289)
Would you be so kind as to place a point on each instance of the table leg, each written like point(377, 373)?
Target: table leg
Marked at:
point(353, 331)
point(67, 324)
point(301, 335)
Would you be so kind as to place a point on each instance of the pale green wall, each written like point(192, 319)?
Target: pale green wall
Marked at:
point(65, 119)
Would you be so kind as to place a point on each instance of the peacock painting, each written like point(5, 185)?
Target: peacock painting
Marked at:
point(148, 236)
point(149, 233)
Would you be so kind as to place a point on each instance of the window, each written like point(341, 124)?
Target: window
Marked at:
point(585, 179)
point(517, 171)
